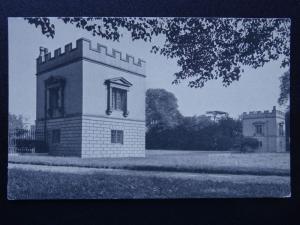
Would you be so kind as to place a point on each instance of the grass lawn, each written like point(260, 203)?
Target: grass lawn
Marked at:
point(186, 161)
point(30, 184)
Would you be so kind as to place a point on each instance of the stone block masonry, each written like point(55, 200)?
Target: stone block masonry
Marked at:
point(96, 138)
point(69, 143)
point(90, 137)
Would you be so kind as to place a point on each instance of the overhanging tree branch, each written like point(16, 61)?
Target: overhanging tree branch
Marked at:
point(205, 48)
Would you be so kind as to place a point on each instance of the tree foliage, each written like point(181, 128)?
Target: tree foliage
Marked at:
point(161, 109)
point(196, 122)
point(205, 48)
point(248, 144)
point(196, 133)
point(217, 114)
point(168, 129)
point(287, 130)
point(15, 122)
point(284, 88)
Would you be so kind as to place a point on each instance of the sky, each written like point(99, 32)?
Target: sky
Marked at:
point(257, 89)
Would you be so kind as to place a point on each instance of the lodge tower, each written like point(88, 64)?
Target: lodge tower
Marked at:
point(91, 101)
point(267, 127)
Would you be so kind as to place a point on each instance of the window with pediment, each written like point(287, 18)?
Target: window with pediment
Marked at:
point(118, 99)
point(117, 89)
point(258, 128)
point(281, 129)
point(54, 92)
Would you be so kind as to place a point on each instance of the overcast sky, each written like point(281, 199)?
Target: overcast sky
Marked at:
point(258, 89)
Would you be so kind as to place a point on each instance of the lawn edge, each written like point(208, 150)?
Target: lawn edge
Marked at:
point(211, 170)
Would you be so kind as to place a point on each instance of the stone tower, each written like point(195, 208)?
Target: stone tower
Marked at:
point(267, 127)
point(91, 101)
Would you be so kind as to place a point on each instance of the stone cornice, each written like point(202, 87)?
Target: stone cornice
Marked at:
point(79, 115)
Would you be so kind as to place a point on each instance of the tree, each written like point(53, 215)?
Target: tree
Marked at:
point(248, 144)
point(15, 122)
point(284, 88)
point(215, 114)
point(161, 109)
point(197, 133)
point(205, 48)
point(230, 127)
point(224, 133)
point(284, 99)
point(196, 122)
point(287, 130)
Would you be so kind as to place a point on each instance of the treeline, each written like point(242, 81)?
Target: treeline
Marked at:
point(168, 129)
point(190, 134)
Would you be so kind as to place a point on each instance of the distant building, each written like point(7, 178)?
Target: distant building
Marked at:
point(91, 102)
point(267, 127)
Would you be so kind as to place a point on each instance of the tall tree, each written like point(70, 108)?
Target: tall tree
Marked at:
point(196, 122)
point(161, 109)
point(284, 88)
point(284, 100)
point(217, 114)
point(205, 48)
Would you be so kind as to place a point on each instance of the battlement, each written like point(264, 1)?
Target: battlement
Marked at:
point(264, 114)
point(84, 51)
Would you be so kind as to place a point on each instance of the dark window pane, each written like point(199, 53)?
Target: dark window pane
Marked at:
point(55, 104)
point(54, 98)
point(281, 132)
point(117, 136)
point(118, 99)
point(258, 129)
point(56, 136)
point(113, 136)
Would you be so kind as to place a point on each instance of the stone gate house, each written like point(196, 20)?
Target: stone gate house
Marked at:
point(267, 127)
point(91, 102)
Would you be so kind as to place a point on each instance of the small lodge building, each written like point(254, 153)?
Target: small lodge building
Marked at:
point(267, 127)
point(90, 101)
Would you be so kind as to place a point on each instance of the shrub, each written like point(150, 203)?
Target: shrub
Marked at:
point(248, 144)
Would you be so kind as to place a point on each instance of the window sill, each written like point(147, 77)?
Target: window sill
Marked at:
point(117, 113)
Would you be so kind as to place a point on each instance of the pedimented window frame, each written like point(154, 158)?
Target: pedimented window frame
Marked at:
point(118, 83)
point(55, 83)
point(262, 125)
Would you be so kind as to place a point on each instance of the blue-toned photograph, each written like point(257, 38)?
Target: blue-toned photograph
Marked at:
point(148, 108)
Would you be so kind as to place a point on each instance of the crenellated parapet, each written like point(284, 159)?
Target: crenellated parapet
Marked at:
point(263, 114)
point(84, 50)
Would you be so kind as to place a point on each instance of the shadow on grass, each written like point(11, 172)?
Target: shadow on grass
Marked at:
point(24, 184)
point(207, 170)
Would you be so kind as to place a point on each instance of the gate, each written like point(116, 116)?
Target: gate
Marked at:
point(21, 141)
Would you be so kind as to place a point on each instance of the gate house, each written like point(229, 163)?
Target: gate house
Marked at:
point(267, 127)
point(91, 101)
